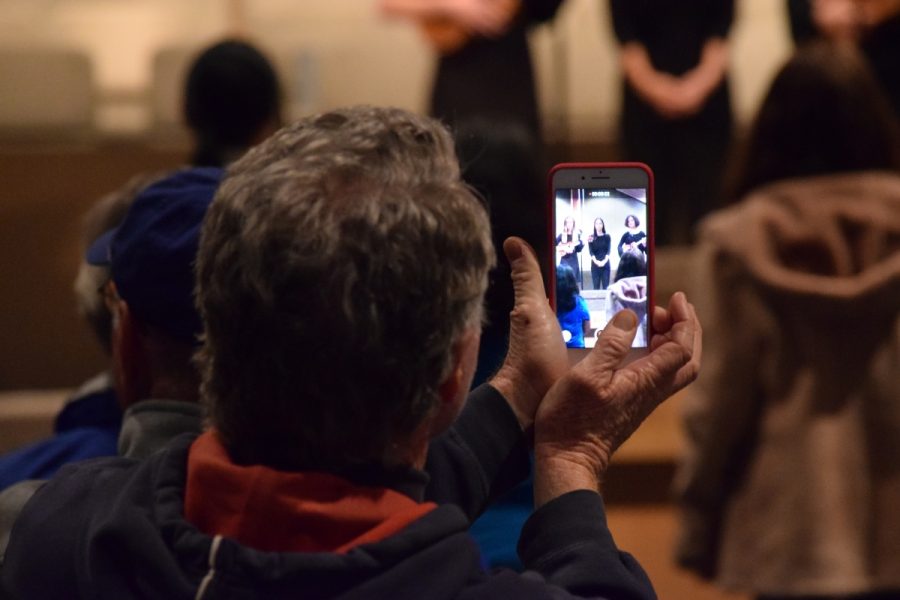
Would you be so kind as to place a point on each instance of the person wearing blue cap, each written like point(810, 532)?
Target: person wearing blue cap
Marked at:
point(155, 326)
point(340, 278)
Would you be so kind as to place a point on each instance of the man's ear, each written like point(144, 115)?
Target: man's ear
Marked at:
point(453, 390)
point(130, 361)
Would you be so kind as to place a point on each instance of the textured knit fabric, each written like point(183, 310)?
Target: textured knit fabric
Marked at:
point(630, 293)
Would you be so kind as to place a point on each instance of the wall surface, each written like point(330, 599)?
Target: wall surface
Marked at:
point(43, 195)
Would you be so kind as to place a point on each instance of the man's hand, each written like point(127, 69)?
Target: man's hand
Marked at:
point(537, 353)
point(597, 405)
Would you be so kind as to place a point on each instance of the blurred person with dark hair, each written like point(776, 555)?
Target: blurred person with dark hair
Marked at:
point(340, 277)
point(632, 264)
point(824, 113)
point(873, 24)
point(502, 163)
point(789, 484)
point(629, 290)
point(676, 110)
point(88, 425)
point(232, 100)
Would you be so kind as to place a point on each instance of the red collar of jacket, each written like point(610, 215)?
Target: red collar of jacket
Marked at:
point(279, 511)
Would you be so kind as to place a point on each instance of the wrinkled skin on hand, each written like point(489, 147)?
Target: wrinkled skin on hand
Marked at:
point(598, 404)
point(536, 358)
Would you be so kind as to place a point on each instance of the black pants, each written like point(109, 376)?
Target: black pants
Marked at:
point(600, 276)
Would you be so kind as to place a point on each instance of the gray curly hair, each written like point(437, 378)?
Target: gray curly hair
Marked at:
point(105, 214)
point(339, 263)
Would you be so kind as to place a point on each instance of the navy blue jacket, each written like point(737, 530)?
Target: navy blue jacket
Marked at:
point(114, 528)
point(87, 427)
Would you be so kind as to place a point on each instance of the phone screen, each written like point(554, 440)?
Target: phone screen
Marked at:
point(602, 240)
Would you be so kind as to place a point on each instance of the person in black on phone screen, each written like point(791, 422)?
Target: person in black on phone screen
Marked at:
point(634, 238)
point(568, 245)
point(598, 245)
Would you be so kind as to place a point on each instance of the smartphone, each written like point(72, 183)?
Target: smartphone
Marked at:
point(600, 229)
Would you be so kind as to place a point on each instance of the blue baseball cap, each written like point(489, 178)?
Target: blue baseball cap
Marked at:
point(151, 254)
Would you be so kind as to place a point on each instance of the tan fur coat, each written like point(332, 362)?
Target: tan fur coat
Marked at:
point(791, 482)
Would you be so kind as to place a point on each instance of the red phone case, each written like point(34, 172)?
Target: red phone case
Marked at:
point(651, 226)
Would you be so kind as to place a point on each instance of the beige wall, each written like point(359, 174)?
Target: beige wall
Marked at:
point(342, 51)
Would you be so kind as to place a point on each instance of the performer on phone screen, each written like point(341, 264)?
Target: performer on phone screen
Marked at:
point(598, 245)
point(568, 245)
point(634, 238)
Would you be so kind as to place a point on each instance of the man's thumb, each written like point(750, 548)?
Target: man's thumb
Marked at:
point(613, 343)
point(525, 271)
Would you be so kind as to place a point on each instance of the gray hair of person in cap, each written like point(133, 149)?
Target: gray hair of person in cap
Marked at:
point(105, 214)
point(341, 263)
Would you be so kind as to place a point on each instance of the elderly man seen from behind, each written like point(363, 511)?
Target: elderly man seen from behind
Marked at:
point(341, 273)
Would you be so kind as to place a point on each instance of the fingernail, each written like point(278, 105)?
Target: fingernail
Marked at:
point(624, 320)
point(514, 250)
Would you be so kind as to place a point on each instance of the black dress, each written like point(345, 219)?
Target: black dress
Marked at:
point(493, 77)
point(599, 248)
point(570, 259)
point(686, 155)
point(629, 238)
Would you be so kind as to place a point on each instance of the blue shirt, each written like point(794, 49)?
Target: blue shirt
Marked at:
point(87, 427)
point(573, 322)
